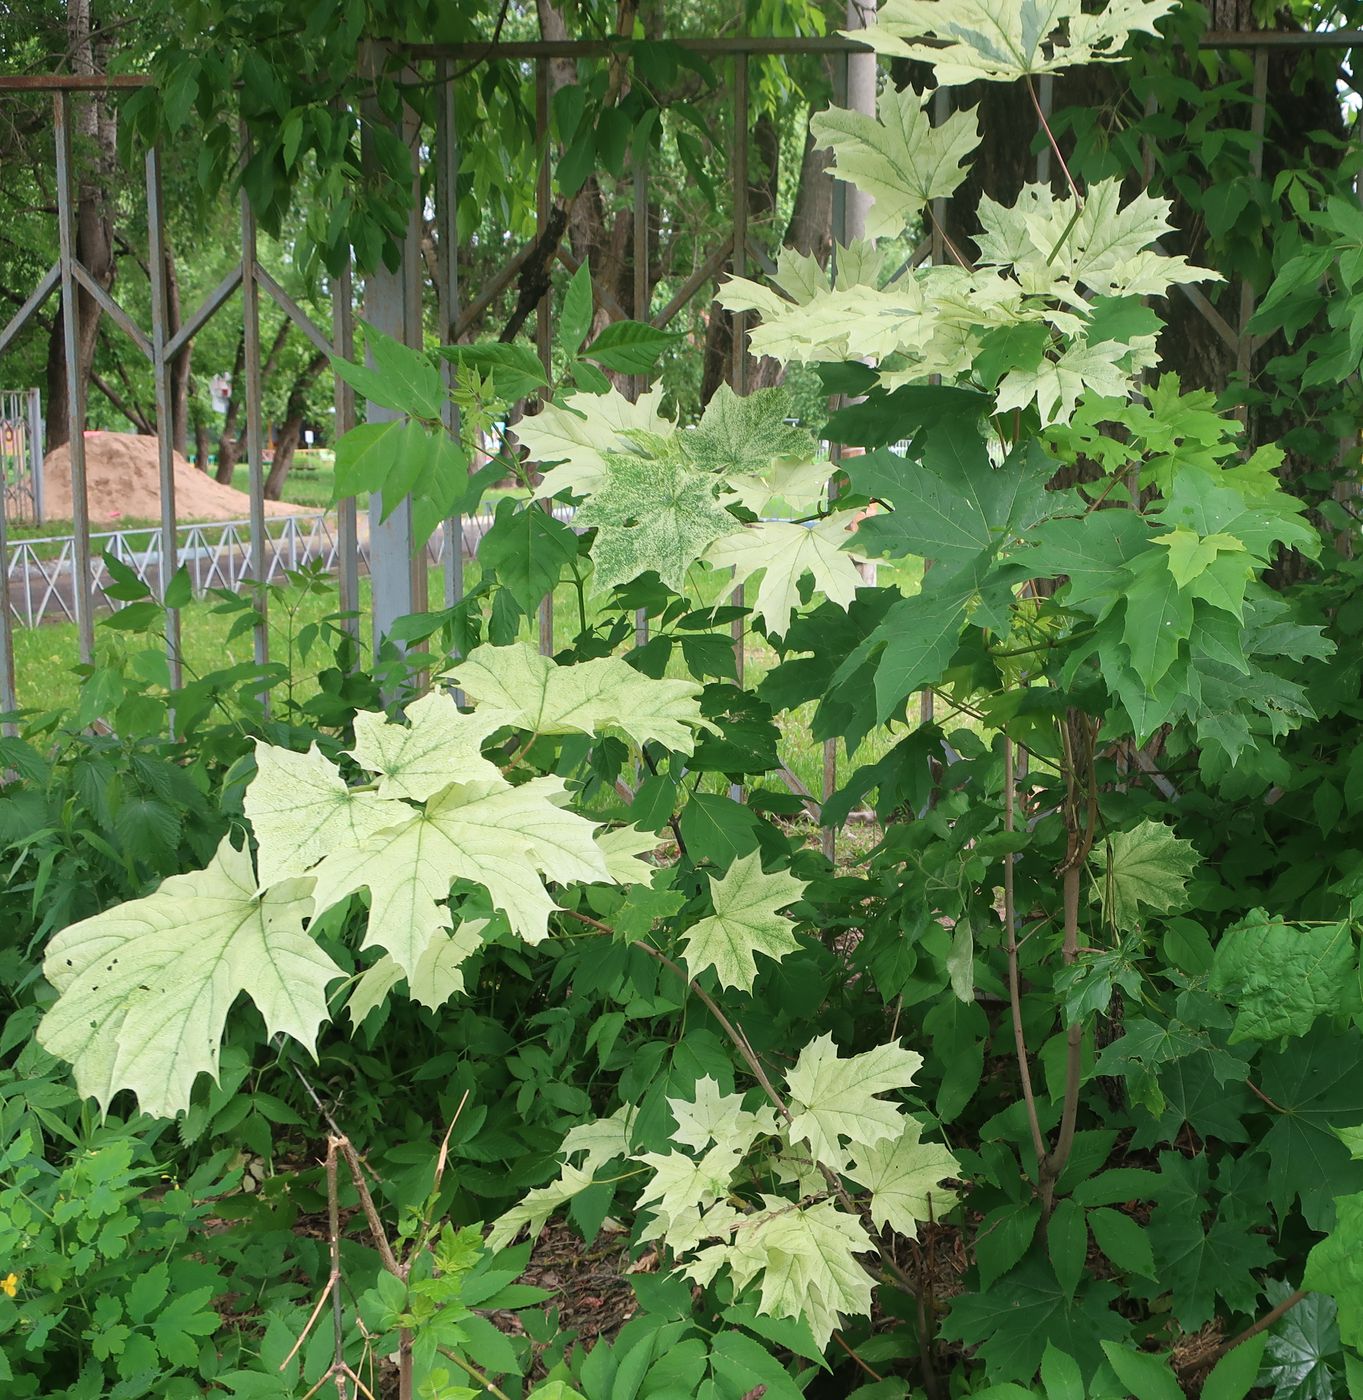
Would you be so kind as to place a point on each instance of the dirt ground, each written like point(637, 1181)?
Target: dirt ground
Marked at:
point(123, 482)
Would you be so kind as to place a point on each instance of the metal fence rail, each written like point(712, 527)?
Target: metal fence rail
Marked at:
point(41, 571)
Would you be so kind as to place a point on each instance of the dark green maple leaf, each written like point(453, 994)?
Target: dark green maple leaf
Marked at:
point(1316, 1087)
point(654, 513)
point(1011, 1325)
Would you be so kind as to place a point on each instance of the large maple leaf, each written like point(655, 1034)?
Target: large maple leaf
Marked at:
point(503, 838)
point(654, 513)
point(145, 988)
point(1002, 40)
point(745, 922)
point(514, 685)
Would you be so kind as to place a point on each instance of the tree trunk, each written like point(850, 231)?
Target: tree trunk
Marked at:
point(229, 445)
point(179, 377)
point(94, 127)
point(810, 231)
point(291, 428)
point(201, 449)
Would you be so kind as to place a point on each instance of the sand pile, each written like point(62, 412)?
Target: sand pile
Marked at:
point(123, 482)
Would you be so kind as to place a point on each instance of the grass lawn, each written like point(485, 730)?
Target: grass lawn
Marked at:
point(44, 658)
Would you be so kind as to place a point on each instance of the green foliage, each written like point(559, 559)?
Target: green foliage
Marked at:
point(1079, 1018)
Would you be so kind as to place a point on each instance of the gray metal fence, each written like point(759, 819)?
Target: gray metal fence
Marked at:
point(21, 454)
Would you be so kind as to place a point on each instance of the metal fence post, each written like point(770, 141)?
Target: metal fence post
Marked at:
point(255, 431)
point(392, 304)
point(75, 388)
point(165, 434)
point(447, 217)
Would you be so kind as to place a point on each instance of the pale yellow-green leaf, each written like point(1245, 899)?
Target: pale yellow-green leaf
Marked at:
point(714, 1117)
point(602, 1139)
point(904, 1176)
point(789, 488)
point(1056, 247)
point(514, 685)
point(300, 808)
point(437, 746)
point(745, 922)
point(536, 1207)
point(806, 1259)
point(501, 837)
point(1144, 868)
point(897, 157)
point(1003, 40)
point(145, 987)
point(438, 976)
point(579, 433)
point(832, 1099)
point(1056, 386)
point(682, 1185)
point(622, 849)
point(784, 554)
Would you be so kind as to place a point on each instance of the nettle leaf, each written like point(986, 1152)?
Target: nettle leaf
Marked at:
point(1002, 40)
point(745, 922)
point(1281, 976)
point(497, 836)
point(437, 746)
point(897, 157)
point(579, 432)
point(904, 1176)
point(784, 554)
point(654, 514)
point(299, 808)
point(516, 686)
point(741, 434)
point(832, 1098)
point(144, 989)
point(1147, 866)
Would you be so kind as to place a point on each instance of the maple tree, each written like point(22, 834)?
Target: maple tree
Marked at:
point(1087, 548)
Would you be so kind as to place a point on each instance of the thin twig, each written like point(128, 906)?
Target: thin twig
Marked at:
point(1014, 977)
point(470, 1370)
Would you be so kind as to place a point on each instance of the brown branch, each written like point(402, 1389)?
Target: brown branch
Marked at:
point(534, 277)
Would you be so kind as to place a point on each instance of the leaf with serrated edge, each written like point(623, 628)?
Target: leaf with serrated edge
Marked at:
point(806, 1257)
point(714, 1117)
point(832, 1098)
point(496, 836)
point(300, 808)
point(904, 1177)
point(739, 434)
point(536, 1207)
point(652, 513)
point(579, 432)
point(516, 686)
point(145, 987)
point(438, 975)
point(783, 554)
point(897, 157)
point(622, 848)
point(745, 922)
point(438, 746)
point(1147, 866)
point(1002, 40)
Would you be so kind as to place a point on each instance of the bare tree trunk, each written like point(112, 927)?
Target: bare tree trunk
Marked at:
point(96, 132)
point(179, 379)
point(229, 447)
point(290, 429)
point(201, 448)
